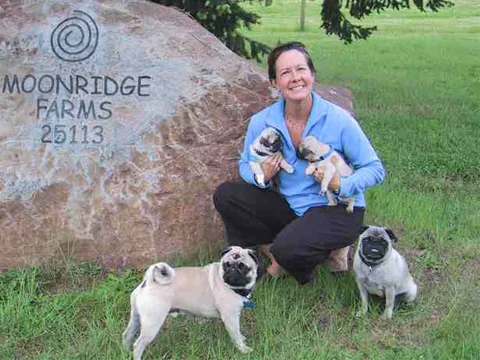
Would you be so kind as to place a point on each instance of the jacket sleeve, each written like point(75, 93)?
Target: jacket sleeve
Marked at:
point(254, 129)
point(368, 169)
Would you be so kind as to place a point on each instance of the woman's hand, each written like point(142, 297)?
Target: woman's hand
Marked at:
point(271, 166)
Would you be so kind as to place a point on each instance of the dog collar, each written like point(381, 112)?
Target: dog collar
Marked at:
point(242, 292)
point(248, 304)
point(366, 261)
point(329, 152)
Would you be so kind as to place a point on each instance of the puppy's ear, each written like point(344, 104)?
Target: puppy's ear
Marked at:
point(253, 254)
point(391, 234)
point(363, 228)
point(261, 263)
point(225, 251)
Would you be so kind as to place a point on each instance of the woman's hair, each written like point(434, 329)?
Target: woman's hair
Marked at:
point(280, 49)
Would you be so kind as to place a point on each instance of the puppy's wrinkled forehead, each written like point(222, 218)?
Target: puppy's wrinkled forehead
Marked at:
point(376, 232)
point(271, 139)
point(234, 253)
point(310, 142)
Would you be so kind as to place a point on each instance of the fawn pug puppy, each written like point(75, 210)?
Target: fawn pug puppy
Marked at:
point(381, 270)
point(218, 289)
point(324, 159)
point(267, 144)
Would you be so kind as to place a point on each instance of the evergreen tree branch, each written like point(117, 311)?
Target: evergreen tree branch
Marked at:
point(335, 22)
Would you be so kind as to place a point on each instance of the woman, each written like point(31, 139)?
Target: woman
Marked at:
point(295, 224)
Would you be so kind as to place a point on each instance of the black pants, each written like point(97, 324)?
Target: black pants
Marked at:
point(254, 216)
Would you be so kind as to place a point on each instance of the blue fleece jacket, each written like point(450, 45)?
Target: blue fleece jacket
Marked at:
point(329, 124)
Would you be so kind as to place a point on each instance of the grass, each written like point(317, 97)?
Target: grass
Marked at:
point(416, 85)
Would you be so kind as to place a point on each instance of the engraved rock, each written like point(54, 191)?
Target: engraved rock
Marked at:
point(119, 119)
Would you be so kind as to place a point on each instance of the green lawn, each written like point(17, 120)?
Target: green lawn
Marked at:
point(416, 87)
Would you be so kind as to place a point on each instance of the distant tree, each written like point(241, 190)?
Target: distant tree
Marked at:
point(225, 17)
point(335, 22)
point(303, 6)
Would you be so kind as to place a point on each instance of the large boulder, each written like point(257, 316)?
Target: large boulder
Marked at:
point(119, 119)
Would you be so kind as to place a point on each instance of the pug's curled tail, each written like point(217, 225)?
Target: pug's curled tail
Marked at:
point(160, 273)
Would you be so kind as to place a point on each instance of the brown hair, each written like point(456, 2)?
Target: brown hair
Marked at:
point(280, 49)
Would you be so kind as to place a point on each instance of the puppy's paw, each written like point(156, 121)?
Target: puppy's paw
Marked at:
point(286, 166)
point(127, 344)
point(244, 349)
point(387, 315)
point(360, 313)
point(310, 169)
point(260, 179)
point(351, 204)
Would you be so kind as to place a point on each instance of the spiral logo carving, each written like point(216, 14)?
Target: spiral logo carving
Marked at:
point(75, 38)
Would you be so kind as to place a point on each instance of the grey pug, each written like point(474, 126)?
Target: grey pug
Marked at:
point(218, 289)
point(381, 270)
point(267, 144)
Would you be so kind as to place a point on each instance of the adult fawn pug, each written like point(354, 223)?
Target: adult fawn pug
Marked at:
point(326, 160)
point(267, 144)
point(381, 270)
point(216, 290)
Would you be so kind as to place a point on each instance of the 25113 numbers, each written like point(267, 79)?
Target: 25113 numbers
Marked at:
point(75, 134)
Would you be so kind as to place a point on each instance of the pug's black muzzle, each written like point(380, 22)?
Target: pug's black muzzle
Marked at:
point(236, 274)
point(277, 145)
point(274, 146)
point(373, 250)
point(303, 153)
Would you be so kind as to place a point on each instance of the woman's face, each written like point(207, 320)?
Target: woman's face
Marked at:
point(293, 76)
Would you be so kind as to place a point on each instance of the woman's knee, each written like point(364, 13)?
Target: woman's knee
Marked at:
point(224, 192)
point(294, 251)
point(298, 266)
point(283, 253)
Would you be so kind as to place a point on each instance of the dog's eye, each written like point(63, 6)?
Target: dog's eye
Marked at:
point(367, 240)
point(243, 267)
point(228, 264)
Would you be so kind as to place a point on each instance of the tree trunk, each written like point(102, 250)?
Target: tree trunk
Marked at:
point(302, 15)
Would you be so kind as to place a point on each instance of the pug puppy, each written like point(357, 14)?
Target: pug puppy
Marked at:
point(380, 270)
point(217, 290)
point(267, 144)
point(324, 159)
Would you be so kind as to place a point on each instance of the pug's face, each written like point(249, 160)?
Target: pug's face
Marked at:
point(270, 141)
point(376, 244)
point(239, 267)
point(311, 149)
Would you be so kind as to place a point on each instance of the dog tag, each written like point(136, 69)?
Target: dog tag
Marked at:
point(248, 304)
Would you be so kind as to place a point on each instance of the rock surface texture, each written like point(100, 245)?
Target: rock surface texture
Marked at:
point(118, 121)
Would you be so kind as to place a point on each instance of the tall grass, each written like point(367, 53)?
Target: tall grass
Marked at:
point(416, 88)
